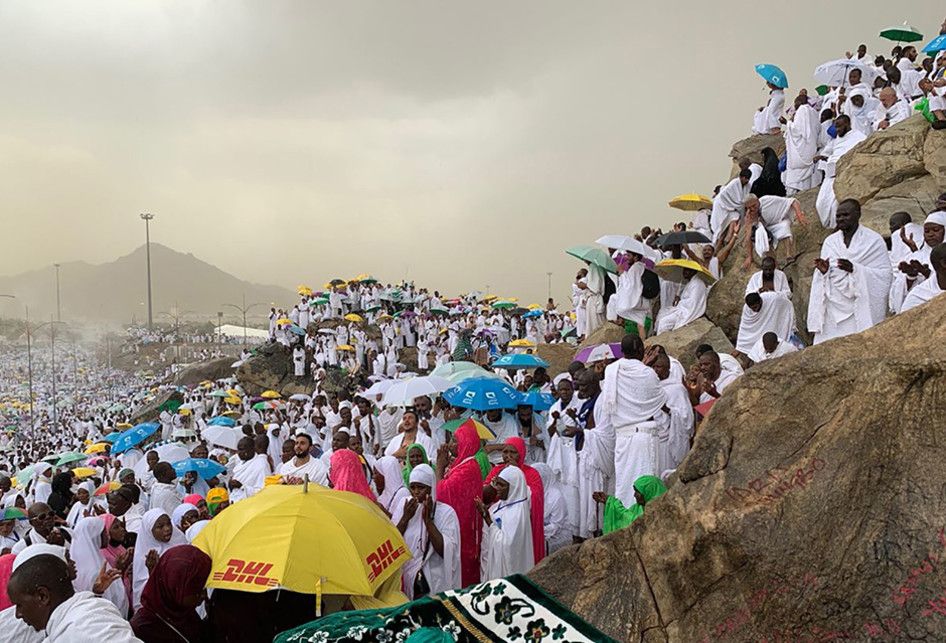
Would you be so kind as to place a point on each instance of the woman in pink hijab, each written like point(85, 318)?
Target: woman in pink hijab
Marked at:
point(346, 474)
point(6, 569)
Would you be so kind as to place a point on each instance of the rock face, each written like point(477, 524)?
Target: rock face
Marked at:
point(559, 356)
point(152, 411)
point(270, 369)
point(752, 147)
point(215, 369)
point(811, 507)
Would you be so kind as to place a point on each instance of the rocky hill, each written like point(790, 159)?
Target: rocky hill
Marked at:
point(811, 507)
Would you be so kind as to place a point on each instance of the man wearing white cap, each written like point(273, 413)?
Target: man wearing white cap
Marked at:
point(562, 457)
point(916, 268)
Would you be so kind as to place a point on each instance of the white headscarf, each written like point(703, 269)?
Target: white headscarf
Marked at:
point(86, 551)
point(938, 217)
point(145, 543)
point(507, 545)
point(178, 514)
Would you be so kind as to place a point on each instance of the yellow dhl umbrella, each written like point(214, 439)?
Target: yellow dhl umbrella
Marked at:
point(304, 538)
point(270, 395)
point(691, 202)
point(521, 343)
point(345, 347)
point(352, 317)
point(672, 269)
point(97, 448)
point(84, 472)
point(283, 320)
point(232, 400)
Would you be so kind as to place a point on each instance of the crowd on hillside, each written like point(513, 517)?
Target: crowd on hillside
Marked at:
point(438, 412)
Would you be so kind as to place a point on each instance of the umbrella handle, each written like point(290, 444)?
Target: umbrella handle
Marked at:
point(305, 483)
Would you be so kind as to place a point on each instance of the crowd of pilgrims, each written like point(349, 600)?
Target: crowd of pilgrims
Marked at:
point(577, 455)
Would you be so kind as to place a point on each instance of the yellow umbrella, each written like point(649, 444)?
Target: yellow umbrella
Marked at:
point(534, 307)
point(184, 412)
point(304, 538)
point(489, 297)
point(84, 472)
point(232, 392)
point(270, 395)
point(302, 289)
point(123, 425)
point(231, 413)
point(691, 202)
point(672, 269)
point(345, 347)
point(97, 448)
point(352, 317)
point(521, 343)
point(232, 400)
point(283, 320)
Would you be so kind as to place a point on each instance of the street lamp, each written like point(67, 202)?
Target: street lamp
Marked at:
point(58, 300)
point(550, 284)
point(147, 217)
point(219, 324)
point(243, 309)
point(30, 331)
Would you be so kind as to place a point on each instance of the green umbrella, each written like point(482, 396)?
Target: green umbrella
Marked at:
point(504, 304)
point(13, 513)
point(822, 89)
point(903, 33)
point(170, 405)
point(71, 456)
point(219, 393)
point(25, 474)
point(595, 255)
point(321, 301)
point(115, 408)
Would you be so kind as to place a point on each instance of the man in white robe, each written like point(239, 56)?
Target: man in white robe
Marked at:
point(772, 217)
point(770, 346)
point(892, 109)
point(851, 282)
point(629, 301)
point(594, 303)
point(916, 267)
point(932, 287)
point(638, 418)
point(562, 454)
point(861, 106)
point(728, 206)
point(762, 313)
point(298, 361)
point(690, 304)
point(303, 464)
point(678, 401)
point(707, 379)
point(249, 474)
point(769, 279)
point(766, 119)
point(801, 145)
point(844, 142)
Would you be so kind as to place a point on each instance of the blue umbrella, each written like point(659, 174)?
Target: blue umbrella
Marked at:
point(772, 74)
point(222, 420)
point(482, 394)
point(538, 400)
point(533, 313)
point(134, 436)
point(936, 44)
point(111, 437)
point(205, 468)
point(298, 330)
point(520, 360)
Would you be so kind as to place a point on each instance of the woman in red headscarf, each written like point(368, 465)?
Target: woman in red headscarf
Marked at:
point(460, 485)
point(515, 454)
point(6, 570)
point(169, 601)
point(346, 474)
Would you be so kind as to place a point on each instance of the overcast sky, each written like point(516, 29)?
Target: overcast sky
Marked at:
point(462, 144)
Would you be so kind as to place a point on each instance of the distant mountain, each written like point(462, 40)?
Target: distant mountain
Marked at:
point(117, 291)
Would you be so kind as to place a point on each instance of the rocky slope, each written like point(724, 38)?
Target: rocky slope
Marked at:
point(811, 507)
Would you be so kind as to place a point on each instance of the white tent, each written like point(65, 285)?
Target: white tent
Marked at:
point(231, 330)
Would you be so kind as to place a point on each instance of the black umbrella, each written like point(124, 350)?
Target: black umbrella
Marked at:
point(680, 238)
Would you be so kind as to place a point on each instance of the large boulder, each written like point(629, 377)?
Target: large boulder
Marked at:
point(152, 410)
point(559, 356)
point(215, 369)
point(682, 342)
point(608, 333)
point(811, 507)
point(885, 159)
point(270, 368)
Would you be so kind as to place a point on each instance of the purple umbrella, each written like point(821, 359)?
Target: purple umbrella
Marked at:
point(583, 354)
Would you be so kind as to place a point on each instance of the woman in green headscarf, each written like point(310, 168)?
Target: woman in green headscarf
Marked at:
point(416, 454)
point(617, 516)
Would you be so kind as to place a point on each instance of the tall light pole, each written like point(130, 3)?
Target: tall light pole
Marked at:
point(147, 217)
point(243, 309)
point(30, 330)
point(219, 324)
point(58, 300)
point(550, 284)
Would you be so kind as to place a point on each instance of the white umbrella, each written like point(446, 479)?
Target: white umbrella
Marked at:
point(299, 397)
point(834, 73)
point(403, 392)
point(622, 242)
point(378, 388)
point(221, 436)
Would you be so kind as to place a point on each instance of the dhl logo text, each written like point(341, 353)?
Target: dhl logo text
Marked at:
point(248, 573)
point(382, 557)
